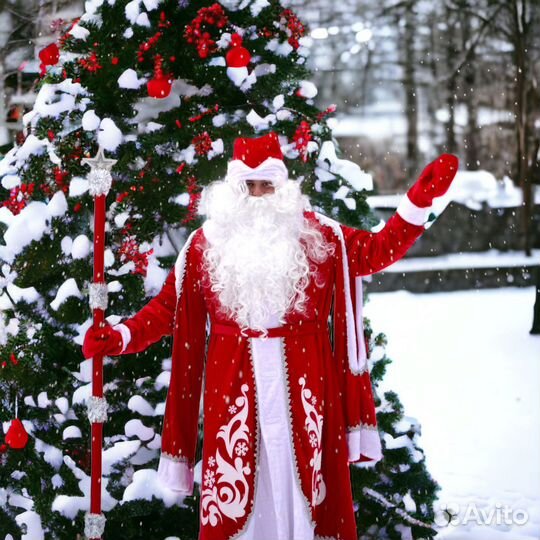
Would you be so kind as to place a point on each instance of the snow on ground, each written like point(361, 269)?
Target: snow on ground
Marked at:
point(466, 366)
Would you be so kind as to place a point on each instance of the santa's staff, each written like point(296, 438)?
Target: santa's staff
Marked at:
point(99, 184)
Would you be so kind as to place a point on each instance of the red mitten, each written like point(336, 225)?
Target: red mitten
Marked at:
point(102, 341)
point(434, 180)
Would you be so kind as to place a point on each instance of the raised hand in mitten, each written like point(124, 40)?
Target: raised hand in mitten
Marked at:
point(434, 180)
point(102, 341)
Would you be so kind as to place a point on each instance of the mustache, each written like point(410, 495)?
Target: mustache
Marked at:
point(223, 202)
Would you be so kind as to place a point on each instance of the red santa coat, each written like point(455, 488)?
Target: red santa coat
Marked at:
point(331, 412)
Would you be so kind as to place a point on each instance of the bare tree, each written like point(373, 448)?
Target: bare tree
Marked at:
point(24, 27)
point(470, 81)
point(16, 30)
point(520, 27)
point(510, 22)
point(409, 85)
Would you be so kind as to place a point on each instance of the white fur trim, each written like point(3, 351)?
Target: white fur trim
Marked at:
point(353, 442)
point(357, 360)
point(176, 475)
point(360, 339)
point(180, 264)
point(126, 335)
point(365, 441)
point(271, 169)
point(370, 444)
point(412, 213)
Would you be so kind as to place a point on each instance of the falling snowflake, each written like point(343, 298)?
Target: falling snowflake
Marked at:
point(313, 440)
point(232, 409)
point(209, 478)
point(211, 461)
point(241, 449)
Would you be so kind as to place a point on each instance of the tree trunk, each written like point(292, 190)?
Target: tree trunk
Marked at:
point(432, 94)
point(534, 169)
point(411, 91)
point(522, 150)
point(451, 52)
point(4, 131)
point(451, 87)
point(536, 312)
point(469, 82)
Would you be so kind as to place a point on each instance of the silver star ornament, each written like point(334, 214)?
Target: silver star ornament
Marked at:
point(99, 161)
point(99, 177)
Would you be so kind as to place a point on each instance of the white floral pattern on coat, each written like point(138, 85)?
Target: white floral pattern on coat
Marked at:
point(227, 490)
point(313, 425)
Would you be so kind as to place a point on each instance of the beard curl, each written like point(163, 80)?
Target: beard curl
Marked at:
point(261, 253)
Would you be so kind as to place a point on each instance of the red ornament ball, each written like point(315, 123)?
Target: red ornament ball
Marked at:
point(17, 437)
point(50, 54)
point(238, 56)
point(159, 88)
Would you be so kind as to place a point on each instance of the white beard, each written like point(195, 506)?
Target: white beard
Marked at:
point(261, 252)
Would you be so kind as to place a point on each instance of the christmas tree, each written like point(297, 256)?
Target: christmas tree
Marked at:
point(163, 87)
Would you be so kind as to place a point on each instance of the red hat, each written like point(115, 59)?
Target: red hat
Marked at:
point(254, 150)
point(257, 158)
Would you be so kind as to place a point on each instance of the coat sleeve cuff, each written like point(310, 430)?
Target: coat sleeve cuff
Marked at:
point(417, 215)
point(412, 213)
point(364, 445)
point(126, 335)
point(175, 474)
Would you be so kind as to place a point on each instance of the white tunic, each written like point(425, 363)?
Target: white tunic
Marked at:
point(280, 509)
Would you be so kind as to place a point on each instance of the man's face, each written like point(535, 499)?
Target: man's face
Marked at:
point(258, 188)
